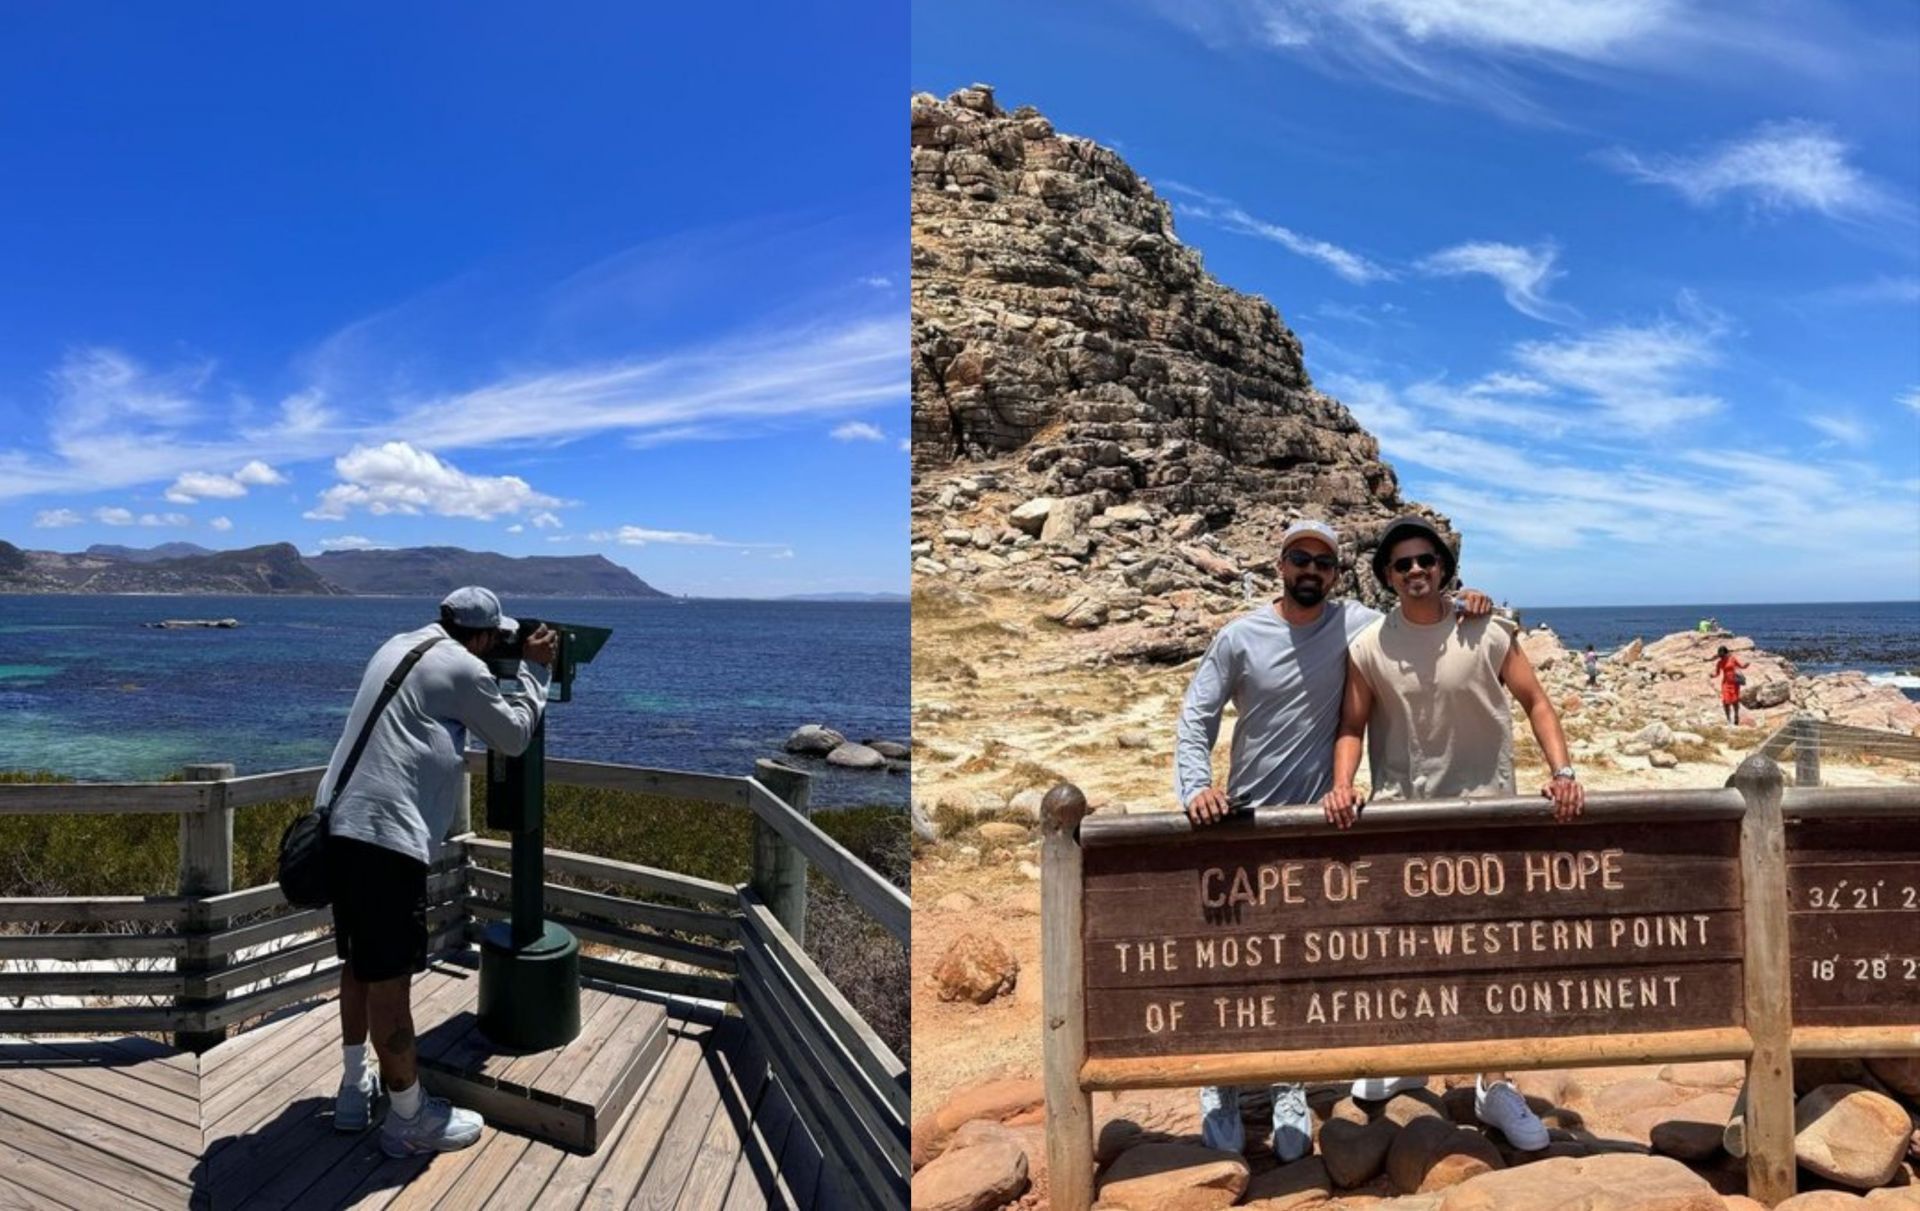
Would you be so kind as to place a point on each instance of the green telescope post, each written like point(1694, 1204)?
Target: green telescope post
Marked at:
point(529, 967)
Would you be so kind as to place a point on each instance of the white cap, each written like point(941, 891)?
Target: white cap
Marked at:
point(475, 607)
point(1308, 528)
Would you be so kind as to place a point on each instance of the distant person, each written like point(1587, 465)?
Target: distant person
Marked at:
point(1592, 662)
point(1282, 666)
point(1428, 690)
point(398, 803)
point(1705, 625)
point(1726, 670)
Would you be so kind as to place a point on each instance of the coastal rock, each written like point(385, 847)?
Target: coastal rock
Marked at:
point(1613, 1182)
point(1763, 696)
point(1151, 1177)
point(856, 756)
point(1850, 1135)
point(975, 968)
point(814, 740)
point(892, 750)
point(983, 1172)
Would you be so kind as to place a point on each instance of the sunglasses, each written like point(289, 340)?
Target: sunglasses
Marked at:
point(1406, 563)
point(1300, 559)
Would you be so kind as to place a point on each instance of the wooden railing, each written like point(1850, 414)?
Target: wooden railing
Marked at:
point(744, 943)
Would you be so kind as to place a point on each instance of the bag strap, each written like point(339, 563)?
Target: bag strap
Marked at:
point(387, 692)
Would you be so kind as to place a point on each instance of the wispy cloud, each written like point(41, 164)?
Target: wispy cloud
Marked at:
point(1637, 377)
point(198, 485)
point(1523, 274)
point(222, 524)
point(397, 477)
point(352, 542)
point(1780, 166)
point(1910, 397)
point(1222, 212)
point(112, 515)
point(858, 431)
point(51, 519)
point(643, 536)
point(1841, 429)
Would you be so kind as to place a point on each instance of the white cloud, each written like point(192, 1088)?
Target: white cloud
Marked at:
point(113, 516)
point(50, 519)
point(222, 524)
point(787, 554)
point(1845, 430)
point(1794, 165)
point(642, 536)
point(193, 486)
point(1635, 376)
point(258, 474)
point(1911, 398)
point(1523, 273)
point(858, 431)
point(1502, 383)
point(906, 446)
point(397, 477)
point(165, 519)
point(352, 542)
point(1223, 213)
point(545, 521)
point(516, 528)
point(877, 282)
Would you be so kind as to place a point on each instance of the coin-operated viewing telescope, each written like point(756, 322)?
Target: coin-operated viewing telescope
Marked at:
point(529, 968)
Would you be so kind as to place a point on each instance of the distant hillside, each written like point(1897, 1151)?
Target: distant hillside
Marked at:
point(432, 571)
point(166, 550)
point(275, 568)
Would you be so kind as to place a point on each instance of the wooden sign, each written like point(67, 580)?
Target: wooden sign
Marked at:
point(1277, 943)
point(1853, 902)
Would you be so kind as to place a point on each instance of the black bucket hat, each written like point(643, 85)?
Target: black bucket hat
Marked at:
point(1412, 526)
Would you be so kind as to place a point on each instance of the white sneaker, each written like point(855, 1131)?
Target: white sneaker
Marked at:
point(1292, 1122)
point(439, 1127)
point(353, 1105)
point(1220, 1126)
point(1502, 1107)
point(1380, 1088)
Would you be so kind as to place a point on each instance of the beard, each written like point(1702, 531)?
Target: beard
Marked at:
point(1306, 592)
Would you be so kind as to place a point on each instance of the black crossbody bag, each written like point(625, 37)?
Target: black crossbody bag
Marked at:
point(303, 847)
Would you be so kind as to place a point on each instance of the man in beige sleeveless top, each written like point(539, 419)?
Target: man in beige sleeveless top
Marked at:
point(1429, 690)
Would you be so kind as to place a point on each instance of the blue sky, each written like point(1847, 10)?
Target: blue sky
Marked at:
point(621, 279)
point(1629, 289)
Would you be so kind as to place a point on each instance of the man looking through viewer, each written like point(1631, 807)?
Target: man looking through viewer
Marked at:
point(1282, 666)
point(397, 806)
point(1429, 691)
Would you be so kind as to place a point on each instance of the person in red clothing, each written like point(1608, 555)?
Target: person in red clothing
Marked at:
point(1726, 670)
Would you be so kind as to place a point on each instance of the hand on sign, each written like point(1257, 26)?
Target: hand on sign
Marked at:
point(1569, 799)
point(1208, 806)
point(1343, 805)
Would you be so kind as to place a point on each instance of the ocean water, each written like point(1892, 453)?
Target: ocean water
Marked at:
point(1881, 639)
point(87, 690)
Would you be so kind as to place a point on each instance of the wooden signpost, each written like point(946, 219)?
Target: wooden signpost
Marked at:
point(1460, 936)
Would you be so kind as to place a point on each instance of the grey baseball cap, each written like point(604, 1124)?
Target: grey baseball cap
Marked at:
point(1306, 527)
point(473, 606)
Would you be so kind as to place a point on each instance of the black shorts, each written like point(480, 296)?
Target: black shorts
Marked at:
point(379, 909)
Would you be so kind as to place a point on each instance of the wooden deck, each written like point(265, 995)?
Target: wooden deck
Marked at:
point(129, 1122)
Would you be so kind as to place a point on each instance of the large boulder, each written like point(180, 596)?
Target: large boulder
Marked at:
point(1609, 1182)
point(1898, 1073)
point(1032, 516)
point(1432, 1153)
point(1298, 1186)
point(1850, 1135)
point(976, 968)
point(856, 756)
point(994, 1099)
point(814, 740)
point(1149, 1177)
point(985, 1169)
point(1355, 1153)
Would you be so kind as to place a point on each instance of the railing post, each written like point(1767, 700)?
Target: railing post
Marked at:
point(1806, 750)
point(206, 869)
point(1063, 1001)
point(1768, 979)
point(780, 870)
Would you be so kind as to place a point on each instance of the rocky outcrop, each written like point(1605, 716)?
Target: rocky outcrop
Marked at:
point(1092, 414)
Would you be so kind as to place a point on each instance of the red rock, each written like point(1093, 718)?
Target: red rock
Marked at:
point(1151, 1177)
point(1431, 1153)
point(1822, 1200)
point(1594, 1183)
point(1354, 1152)
point(1292, 1187)
point(984, 1170)
point(975, 968)
point(1850, 1135)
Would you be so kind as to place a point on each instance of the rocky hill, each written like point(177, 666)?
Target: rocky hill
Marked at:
point(166, 550)
point(1095, 419)
point(275, 568)
point(439, 570)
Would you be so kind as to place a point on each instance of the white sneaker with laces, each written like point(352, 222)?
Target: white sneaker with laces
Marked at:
point(1220, 1126)
point(353, 1105)
point(1292, 1122)
point(1380, 1088)
point(1502, 1106)
point(439, 1127)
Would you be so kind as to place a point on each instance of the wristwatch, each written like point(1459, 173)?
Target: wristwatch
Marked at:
point(1565, 771)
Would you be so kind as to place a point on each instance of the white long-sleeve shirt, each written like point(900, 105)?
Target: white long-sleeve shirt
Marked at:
point(408, 784)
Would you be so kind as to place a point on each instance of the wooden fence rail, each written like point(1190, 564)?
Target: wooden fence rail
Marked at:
point(1752, 923)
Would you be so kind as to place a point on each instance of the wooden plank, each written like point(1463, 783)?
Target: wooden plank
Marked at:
point(801, 1156)
point(313, 984)
point(163, 1082)
point(101, 798)
point(1063, 999)
point(28, 1181)
point(163, 1057)
point(522, 1188)
point(557, 1069)
point(659, 945)
point(83, 1150)
point(442, 1173)
point(875, 1058)
point(722, 1150)
point(253, 789)
point(110, 1071)
point(80, 1097)
point(157, 1018)
point(639, 1136)
point(1662, 807)
point(652, 979)
point(496, 1161)
point(92, 946)
point(91, 983)
point(1865, 802)
point(256, 1091)
point(658, 1187)
point(757, 1183)
point(1340, 1063)
point(283, 1026)
point(94, 910)
point(1851, 1042)
point(303, 954)
point(672, 784)
point(615, 908)
point(665, 882)
point(1769, 988)
point(631, 1055)
point(169, 1167)
point(883, 901)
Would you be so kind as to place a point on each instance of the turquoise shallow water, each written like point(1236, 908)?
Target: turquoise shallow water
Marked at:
point(88, 691)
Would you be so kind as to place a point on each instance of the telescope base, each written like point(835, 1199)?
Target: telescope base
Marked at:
point(529, 998)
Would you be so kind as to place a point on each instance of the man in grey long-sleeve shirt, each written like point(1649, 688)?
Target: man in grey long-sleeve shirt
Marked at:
point(1284, 667)
point(395, 809)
